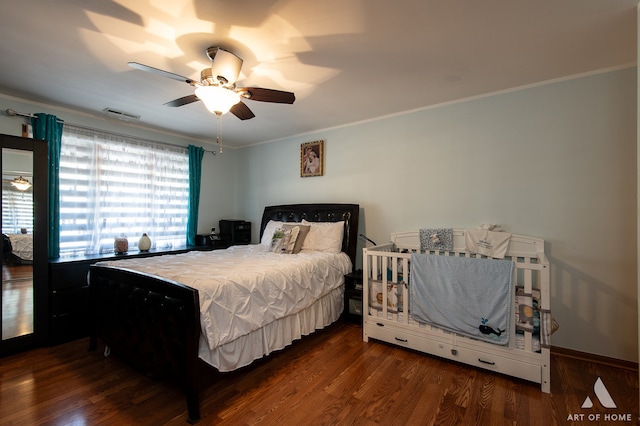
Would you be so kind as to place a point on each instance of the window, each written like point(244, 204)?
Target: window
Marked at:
point(112, 185)
point(17, 209)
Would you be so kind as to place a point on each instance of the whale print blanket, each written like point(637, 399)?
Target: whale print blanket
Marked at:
point(468, 296)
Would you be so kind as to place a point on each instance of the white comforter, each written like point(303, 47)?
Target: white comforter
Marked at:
point(246, 287)
point(22, 245)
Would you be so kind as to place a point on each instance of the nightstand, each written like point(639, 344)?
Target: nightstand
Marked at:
point(235, 232)
point(353, 297)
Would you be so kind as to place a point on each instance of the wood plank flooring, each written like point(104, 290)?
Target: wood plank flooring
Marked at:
point(17, 300)
point(329, 378)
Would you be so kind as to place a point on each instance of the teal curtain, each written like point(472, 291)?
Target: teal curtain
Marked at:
point(49, 128)
point(195, 173)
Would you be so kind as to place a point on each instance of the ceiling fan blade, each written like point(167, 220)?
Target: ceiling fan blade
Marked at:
point(182, 101)
point(267, 95)
point(242, 111)
point(160, 72)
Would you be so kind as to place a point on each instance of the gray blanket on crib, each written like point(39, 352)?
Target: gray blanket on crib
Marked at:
point(469, 296)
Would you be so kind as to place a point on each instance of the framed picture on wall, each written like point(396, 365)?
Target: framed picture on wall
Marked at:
point(312, 159)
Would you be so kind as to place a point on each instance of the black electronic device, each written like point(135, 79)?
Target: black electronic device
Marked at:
point(235, 232)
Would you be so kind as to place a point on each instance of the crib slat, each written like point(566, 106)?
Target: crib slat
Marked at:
point(528, 282)
point(383, 287)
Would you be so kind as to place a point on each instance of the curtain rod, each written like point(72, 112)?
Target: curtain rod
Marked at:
point(13, 113)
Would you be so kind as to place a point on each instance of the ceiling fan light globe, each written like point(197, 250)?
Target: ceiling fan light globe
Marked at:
point(21, 184)
point(218, 100)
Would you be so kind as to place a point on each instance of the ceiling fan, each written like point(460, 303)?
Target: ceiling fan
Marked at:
point(19, 183)
point(217, 86)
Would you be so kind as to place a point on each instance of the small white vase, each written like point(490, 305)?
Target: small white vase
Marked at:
point(144, 243)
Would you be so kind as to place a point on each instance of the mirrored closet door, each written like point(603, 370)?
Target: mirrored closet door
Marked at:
point(24, 243)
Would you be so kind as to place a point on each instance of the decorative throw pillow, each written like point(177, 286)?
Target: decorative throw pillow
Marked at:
point(271, 227)
point(284, 240)
point(324, 236)
point(267, 234)
point(436, 239)
point(303, 230)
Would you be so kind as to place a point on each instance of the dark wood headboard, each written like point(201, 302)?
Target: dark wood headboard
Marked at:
point(349, 213)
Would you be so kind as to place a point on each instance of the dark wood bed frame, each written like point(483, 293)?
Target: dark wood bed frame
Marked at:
point(154, 324)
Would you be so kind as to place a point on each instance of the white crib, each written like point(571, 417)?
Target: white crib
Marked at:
point(385, 318)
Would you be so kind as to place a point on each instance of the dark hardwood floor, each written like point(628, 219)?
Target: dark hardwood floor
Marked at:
point(17, 300)
point(329, 378)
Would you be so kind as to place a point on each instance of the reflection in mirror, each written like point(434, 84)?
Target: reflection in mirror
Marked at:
point(17, 240)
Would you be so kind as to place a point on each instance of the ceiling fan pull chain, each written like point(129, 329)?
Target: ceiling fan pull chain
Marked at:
point(219, 137)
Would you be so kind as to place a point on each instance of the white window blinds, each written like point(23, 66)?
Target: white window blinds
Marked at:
point(112, 185)
point(17, 209)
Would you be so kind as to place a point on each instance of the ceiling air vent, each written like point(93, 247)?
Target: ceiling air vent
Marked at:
point(120, 115)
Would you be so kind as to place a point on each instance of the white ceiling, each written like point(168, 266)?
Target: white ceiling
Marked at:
point(346, 60)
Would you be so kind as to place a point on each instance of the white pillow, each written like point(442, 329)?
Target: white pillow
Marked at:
point(324, 236)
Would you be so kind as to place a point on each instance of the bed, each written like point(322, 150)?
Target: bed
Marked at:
point(171, 318)
point(455, 302)
point(18, 248)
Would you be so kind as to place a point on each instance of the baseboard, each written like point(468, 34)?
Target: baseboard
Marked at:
point(599, 359)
